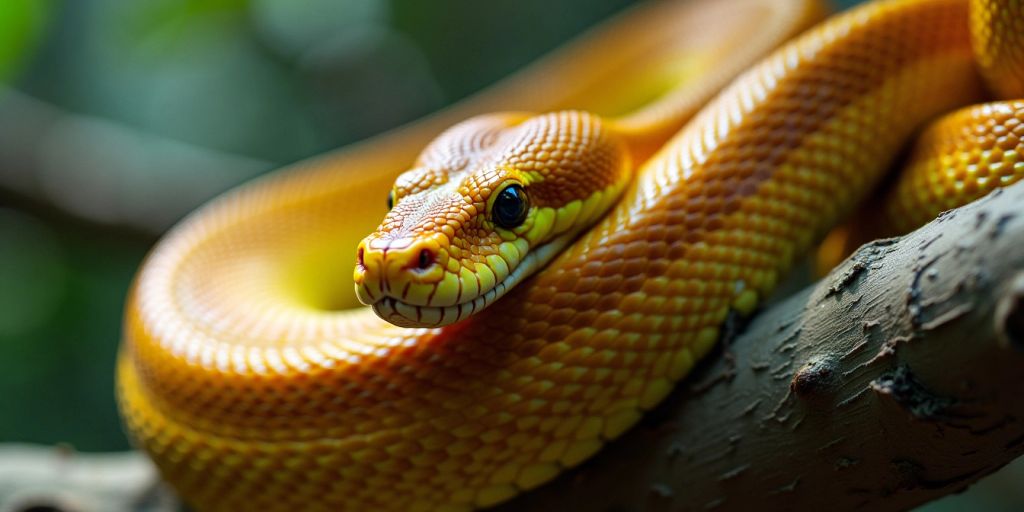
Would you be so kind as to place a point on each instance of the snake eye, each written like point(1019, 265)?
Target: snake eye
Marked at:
point(391, 199)
point(510, 207)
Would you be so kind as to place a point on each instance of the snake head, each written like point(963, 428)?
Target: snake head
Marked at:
point(488, 203)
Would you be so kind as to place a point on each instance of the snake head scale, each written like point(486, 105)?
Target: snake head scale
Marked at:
point(487, 204)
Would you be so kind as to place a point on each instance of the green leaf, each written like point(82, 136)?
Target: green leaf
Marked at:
point(22, 23)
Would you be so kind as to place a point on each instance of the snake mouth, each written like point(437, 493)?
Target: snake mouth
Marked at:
point(403, 314)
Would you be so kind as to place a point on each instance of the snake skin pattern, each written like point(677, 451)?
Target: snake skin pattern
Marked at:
point(252, 386)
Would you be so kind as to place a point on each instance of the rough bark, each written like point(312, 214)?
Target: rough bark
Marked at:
point(893, 381)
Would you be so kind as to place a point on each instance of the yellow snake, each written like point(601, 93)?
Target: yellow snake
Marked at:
point(254, 382)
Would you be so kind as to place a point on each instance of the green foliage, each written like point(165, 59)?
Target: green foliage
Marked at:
point(22, 23)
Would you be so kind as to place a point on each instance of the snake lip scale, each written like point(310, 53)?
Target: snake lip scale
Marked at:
point(410, 315)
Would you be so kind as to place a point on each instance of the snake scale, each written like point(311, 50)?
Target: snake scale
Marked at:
point(546, 277)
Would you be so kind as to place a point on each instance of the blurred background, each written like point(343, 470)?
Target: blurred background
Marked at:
point(118, 117)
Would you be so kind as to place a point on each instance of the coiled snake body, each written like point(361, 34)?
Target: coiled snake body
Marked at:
point(252, 385)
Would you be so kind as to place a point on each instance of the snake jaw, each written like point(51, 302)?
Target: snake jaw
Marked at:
point(459, 295)
point(455, 288)
point(404, 314)
point(452, 290)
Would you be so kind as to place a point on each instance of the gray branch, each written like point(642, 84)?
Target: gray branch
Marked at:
point(894, 381)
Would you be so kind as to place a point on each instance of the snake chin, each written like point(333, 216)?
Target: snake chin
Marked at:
point(403, 314)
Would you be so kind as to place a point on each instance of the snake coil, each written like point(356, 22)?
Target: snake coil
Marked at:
point(251, 383)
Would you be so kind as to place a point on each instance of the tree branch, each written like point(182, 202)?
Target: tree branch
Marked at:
point(893, 381)
point(58, 479)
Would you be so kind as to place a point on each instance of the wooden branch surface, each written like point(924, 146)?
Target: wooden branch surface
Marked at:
point(894, 381)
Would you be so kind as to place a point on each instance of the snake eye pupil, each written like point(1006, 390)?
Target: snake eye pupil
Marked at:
point(510, 207)
point(426, 259)
point(391, 200)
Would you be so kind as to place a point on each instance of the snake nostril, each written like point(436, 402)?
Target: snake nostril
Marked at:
point(426, 259)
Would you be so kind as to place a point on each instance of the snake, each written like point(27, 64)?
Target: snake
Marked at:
point(554, 254)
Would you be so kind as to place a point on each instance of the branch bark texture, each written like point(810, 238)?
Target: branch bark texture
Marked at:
point(895, 380)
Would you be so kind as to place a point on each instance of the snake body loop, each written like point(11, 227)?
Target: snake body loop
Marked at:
point(253, 387)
